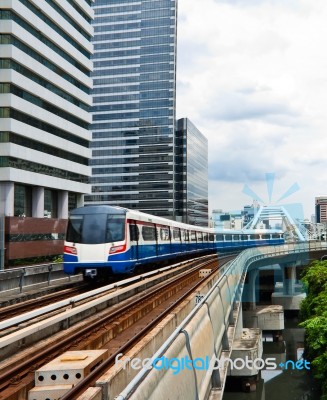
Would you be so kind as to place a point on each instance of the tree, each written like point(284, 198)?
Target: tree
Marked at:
point(314, 314)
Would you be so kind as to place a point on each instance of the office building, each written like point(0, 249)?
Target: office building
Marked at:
point(191, 174)
point(45, 85)
point(321, 209)
point(134, 105)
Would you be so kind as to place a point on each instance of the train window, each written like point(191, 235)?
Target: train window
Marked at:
point(96, 228)
point(211, 237)
point(276, 235)
point(187, 236)
point(228, 237)
point(164, 233)
point(176, 234)
point(134, 232)
point(205, 237)
point(149, 233)
point(115, 230)
point(244, 237)
point(220, 238)
point(265, 236)
point(200, 236)
point(254, 237)
point(236, 237)
point(74, 229)
point(193, 236)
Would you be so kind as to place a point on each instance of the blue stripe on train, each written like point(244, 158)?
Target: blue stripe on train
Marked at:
point(126, 262)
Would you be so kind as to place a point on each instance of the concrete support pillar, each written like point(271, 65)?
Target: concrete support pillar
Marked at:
point(289, 279)
point(251, 289)
point(63, 204)
point(7, 193)
point(80, 200)
point(38, 202)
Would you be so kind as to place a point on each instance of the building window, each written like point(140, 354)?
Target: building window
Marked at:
point(50, 203)
point(72, 201)
point(22, 201)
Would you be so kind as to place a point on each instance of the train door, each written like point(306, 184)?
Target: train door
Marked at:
point(134, 240)
point(164, 241)
point(157, 240)
point(148, 248)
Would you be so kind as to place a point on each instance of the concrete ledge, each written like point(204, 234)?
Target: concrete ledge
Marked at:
point(267, 318)
point(247, 347)
point(289, 302)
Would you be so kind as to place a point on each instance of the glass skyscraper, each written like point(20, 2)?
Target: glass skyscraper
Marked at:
point(134, 104)
point(191, 177)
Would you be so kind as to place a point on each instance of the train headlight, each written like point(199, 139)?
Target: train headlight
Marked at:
point(117, 249)
point(70, 250)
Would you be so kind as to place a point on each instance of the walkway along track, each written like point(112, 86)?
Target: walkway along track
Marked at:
point(114, 327)
point(32, 304)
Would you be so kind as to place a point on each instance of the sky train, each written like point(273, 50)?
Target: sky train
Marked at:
point(108, 240)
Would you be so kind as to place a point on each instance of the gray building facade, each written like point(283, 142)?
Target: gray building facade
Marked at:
point(191, 178)
point(134, 90)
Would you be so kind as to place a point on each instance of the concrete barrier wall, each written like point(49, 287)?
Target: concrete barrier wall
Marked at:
point(195, 342)
point(163, 384)
point(225, 297)
point(200, 337)
point(215, 307)
point(21, 279)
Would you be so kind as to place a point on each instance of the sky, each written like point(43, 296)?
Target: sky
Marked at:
point(252, 76)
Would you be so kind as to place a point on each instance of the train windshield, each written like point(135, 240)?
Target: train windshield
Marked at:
point(96, 228)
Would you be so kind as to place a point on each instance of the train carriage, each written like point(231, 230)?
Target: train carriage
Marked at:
point(106, 240)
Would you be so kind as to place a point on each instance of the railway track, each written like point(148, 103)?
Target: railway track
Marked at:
point(32, 304)
point(117, 328)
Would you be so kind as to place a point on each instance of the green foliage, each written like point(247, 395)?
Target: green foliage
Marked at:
point(58, 259)
point(22, 262)
point(314, 314)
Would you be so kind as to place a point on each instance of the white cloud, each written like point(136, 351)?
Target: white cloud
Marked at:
point(251, 75)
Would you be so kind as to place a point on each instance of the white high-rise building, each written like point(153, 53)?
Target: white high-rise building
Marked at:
point(45, 84)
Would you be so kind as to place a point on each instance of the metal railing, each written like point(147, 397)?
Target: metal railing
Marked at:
point(21, 278)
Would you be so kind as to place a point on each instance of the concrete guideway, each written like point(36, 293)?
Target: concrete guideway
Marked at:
point(209, 331)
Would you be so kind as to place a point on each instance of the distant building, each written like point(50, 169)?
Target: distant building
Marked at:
point(234, 219)
point(227, 220)
point(249, 211)
point(45, 98)
point(191, 174)
point(321, 209)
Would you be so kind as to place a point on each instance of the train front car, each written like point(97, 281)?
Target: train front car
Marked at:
point(96, 242)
